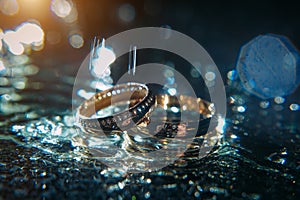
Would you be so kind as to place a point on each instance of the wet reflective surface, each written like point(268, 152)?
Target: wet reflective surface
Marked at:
point(41, 155)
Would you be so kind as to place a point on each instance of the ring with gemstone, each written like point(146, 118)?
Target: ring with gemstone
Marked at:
point(117, 108)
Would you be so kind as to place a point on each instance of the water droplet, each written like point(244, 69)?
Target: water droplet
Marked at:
point(121, 185)
point(172, 91)
point(232, 75)
point(43, 174)
point(147, 195)
point(168, 73)
point(264, 104)
point(237, 99)
point(175, 109)
point(148, 180)
point(241, 109)
point(294, 107)
point(233, 136)
point(279, 100)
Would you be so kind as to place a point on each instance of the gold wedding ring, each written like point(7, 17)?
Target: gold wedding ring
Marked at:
point(135, 96)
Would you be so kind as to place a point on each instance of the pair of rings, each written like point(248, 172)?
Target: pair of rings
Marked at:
point(130, 104)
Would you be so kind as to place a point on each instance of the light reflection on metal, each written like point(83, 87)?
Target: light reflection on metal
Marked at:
point(84, 94)
point(166, 101)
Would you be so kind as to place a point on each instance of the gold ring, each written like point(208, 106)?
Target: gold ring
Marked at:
point(136, 98)
point(173, 123)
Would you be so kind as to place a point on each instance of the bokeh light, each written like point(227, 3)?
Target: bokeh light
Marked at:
point(9, 7)
point(1, 36)
point(53, 37)
point(65, 9)
point(126, 12)
point(72, 17)
point(10, 37)
point(26, 35)
point(76, 41)
point(210, 76)
point(232, 75)
point(279, 100)
point(16, 48)
point(294, 107)
point(264, 104)
point(2, 67)
point(61, 8)
point(172, 91)
point(30, 33)
point(12, 41)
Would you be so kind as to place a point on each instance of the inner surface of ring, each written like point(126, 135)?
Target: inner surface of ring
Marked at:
point(186, 103)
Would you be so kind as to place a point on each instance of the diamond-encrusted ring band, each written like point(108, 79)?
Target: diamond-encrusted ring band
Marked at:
point(99, 111)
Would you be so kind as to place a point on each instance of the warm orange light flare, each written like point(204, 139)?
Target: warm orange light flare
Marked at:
point(34, 8)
